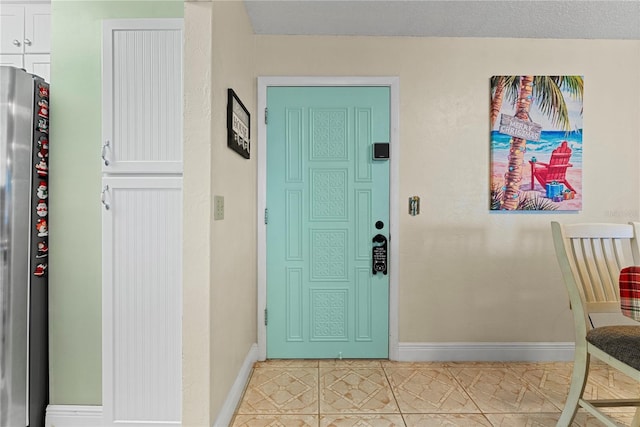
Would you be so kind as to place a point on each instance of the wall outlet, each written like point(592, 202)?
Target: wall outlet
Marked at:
point(218, 208)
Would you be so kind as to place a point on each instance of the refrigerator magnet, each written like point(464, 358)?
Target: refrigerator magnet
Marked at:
point(42, 191)
point(43, 249)
point(43, 91)
point(41, 227)
point(43, 108)
point(41, 209)
point(43, 147)
point(40, 270)
point(43, 125)
point(42, 169)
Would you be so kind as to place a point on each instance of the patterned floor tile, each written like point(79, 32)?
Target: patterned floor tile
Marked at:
point(275, 421)
point(609, 383)
point(414, 365)
point(524, 420)
point(355, 390)
point(552, 379)
point(287, 363)
point(429, 390)
point(371, 393)
point(362, 420)
point(477, 364)
point(281, 391)
point(446, 420)
point(587, 420)
point(350, 363)
point(500, 390)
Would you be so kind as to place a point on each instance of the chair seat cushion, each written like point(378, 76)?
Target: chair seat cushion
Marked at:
point(621, 342)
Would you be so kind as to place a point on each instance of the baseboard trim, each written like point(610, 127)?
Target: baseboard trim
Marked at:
point(73, 416)
point(486, 352)
point(235, 394)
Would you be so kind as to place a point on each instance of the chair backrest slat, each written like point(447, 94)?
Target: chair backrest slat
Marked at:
point(595, 254)
point(596, 265)
point(559, 159)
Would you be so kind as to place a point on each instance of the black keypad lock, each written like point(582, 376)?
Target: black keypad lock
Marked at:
point(379, 254)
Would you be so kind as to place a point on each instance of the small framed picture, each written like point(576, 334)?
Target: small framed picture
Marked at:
point(238, 126)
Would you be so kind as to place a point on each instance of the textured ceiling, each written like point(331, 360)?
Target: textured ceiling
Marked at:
point(571, 19)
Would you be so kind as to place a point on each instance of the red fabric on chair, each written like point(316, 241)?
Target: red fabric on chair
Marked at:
point(630, 291)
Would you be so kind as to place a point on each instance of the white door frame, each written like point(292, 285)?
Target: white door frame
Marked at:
point(394, 174)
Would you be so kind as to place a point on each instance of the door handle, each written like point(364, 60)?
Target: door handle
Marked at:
point(103, 197)
point(379, 254)
point(16, 43)
point(27, 42)
point(106, 145)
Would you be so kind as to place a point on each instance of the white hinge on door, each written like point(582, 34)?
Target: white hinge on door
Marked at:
point(265, 317)
point(266, 111)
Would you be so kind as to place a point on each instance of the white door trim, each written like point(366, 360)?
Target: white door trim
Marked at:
point(394, 213)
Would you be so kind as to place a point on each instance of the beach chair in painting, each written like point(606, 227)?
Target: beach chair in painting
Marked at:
point(555, 171)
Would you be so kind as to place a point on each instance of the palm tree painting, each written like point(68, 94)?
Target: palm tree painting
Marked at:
point(536, 142)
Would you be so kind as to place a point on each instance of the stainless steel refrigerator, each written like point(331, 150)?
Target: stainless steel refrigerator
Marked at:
point(24, 200)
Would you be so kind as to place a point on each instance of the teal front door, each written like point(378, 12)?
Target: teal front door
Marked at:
point(327, 200)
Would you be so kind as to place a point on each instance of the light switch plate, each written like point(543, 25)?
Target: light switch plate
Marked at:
point(218, 208)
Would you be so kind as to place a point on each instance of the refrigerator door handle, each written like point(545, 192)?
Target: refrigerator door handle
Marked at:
point(103, 197)
point(106, 145)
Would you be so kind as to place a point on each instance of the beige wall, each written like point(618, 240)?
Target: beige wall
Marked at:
point(196, 327)
point(219, 256)
point(467, 274)
point(233, 240)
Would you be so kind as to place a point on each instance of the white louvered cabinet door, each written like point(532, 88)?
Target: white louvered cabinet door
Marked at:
point(142, 96)
point(142, 300)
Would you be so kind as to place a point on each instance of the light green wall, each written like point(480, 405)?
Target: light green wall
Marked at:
point(75, 215)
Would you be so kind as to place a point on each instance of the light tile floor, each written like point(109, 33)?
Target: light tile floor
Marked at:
point(363, 393)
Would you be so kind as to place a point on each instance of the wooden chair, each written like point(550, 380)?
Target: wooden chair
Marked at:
point(555, 170)
point(591, 257)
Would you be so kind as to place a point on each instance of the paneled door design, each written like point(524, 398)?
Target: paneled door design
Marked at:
point(327, 201)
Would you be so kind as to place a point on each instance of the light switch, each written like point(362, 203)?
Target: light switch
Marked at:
point(218, 208)
point(414, 205)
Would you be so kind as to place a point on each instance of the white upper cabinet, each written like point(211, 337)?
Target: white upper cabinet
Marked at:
point(142, 97)
point(37, 28)
point(25, 29)
point(11, 29)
